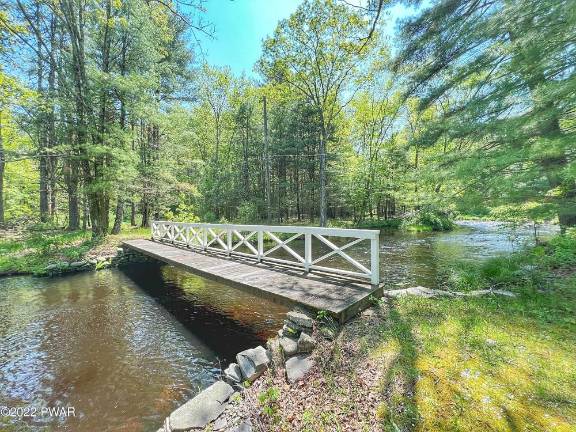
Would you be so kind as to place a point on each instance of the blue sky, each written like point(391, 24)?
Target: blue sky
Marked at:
point(240, 26)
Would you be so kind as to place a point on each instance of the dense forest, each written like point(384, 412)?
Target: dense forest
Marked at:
point(109, 115)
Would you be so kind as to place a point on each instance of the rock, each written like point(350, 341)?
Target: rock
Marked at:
point(300, 319)
point(289, 346)
point(293, 328)
point(78, 264)
point(275, 350)
point(368, 313)
point(290, 332)
point(306, 343)
point(57, 266)
point(297, 367)
point(233, 374)
point(245, 426)
point(329, 333)
point(221, 424)
point(202, 409)
point(253, 362)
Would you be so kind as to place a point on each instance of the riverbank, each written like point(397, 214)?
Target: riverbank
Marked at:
point(424, 220)
point(434, 364)
point(43, 251)
point(32, 251)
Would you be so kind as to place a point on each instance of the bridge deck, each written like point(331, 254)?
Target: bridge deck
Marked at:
point(341, 297)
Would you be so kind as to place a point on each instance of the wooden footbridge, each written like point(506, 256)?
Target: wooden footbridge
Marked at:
point(308, 266)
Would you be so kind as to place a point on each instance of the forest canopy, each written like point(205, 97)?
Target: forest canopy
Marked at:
point(109, 115)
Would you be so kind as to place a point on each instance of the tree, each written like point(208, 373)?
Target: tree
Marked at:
point(375, 113)
point(319, 53)
point(508, 68)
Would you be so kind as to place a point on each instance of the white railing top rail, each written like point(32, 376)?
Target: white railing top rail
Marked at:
point(228, 238)
point(333, 232)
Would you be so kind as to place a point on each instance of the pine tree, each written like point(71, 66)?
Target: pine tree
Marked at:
point(508, 69)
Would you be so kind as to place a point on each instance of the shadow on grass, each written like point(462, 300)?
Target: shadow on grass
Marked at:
point(399, 382)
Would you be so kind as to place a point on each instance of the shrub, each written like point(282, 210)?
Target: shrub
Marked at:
point(268, 399)
point(209, 217)
point(527, 269)
point(428, 219)
point(248, 213)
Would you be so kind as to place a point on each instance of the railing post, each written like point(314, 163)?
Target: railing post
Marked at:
point(204, 237)
point(307, 251)
point(188, 232)
point(375, 259)
point(260, 245)
point(229, 241)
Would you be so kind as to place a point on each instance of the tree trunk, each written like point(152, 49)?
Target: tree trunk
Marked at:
point(266, 165)
point(85, 214)
point(44, 185)
point(44, 200)
point(132, 213)
point(118, 217)
point(323, 197)
point(98, 197)
point(245, 168)
point(99, 207)
point(145, 214)
point(2, 165)
point(71, 173)
point(297, 181)
point(51, 119)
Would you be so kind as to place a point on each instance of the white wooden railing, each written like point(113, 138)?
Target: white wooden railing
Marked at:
point(227, 238)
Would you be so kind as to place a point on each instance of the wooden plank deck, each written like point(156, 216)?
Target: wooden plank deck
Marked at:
point(342, 297)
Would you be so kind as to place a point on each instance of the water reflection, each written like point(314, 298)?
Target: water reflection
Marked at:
point(409, 259)
point(124, 347)
point(224, 318)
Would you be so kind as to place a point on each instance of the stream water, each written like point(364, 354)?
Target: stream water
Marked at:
point(124, 347)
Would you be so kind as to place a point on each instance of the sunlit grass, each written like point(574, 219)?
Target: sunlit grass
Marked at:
point(33, 250)
point(479, 364)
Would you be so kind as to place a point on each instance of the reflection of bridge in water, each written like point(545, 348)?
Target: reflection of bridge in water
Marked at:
point(263, 260)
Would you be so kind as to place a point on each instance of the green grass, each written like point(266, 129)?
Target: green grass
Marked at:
point(34, 249)
point(488, 363)
point(480, 364)
point(380, 224)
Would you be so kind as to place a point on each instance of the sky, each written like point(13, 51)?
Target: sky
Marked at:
point(241, 25)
